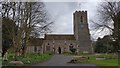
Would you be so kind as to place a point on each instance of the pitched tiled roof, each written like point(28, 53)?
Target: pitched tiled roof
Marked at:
point(59, 37)
point(36, 41)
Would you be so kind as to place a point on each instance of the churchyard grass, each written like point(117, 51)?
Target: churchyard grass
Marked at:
point(30, 58)
point(111, 59)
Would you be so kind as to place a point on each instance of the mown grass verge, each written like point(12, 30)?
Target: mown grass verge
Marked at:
point(112, 60)
point(29, 59)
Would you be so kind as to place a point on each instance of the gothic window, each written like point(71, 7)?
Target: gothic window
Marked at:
point(71, 46)
point(35, 48)
point(81, 18)
point(48, 48)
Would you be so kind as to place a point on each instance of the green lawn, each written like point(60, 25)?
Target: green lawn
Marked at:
point(111, 61)
point(29, 59)
point(0, 61)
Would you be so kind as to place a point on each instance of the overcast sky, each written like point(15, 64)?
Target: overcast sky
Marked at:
point(62, 13)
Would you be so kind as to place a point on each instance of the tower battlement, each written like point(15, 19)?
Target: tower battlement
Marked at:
point(81, 16)
point(80, 11)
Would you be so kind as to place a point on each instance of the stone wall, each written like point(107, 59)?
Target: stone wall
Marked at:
point(81, 31)
point(34, 49)
point(51, 46)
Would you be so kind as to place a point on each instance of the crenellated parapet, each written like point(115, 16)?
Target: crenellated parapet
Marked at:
point(80, 11)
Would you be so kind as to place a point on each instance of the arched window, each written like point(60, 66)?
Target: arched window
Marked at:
point(47, 48)
point(71, 46)
point(35, 48)
point(81, 18)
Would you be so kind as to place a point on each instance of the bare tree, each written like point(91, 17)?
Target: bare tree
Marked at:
point(109, 18)
point(41, 22)
point(108, 13)
point(38, 21)
point(30, 18)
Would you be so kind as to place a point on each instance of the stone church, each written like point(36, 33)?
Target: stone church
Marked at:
point(61, 43)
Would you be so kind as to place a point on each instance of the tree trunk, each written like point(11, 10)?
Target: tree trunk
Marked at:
point(4, 51)
point(27, 27)
point(16, 54)
point(116, 29)
point(24, 50)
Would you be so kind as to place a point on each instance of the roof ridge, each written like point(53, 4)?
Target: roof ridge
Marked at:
point(59, 34)
point(60, 37)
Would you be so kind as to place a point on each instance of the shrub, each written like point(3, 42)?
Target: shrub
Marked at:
point(73, 50)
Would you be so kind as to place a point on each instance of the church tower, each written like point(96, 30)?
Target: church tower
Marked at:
point(81, 31)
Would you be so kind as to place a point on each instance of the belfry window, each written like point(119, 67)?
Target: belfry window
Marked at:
point(81, 18)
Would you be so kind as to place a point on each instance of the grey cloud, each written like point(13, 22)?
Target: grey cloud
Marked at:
point(62, 13)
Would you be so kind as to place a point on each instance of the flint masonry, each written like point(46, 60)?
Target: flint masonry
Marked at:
point(61, 43)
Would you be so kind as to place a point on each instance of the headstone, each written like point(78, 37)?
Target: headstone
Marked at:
point(84, 58)
point(73, 61)
point(85, 52)
point(97, 54)
point(100, 58)
point(16, 62)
